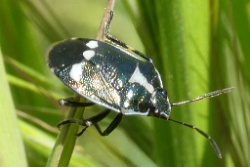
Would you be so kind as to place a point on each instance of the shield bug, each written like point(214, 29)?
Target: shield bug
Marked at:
point(117, 77)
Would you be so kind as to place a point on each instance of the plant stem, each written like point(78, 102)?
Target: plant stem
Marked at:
point(66, 139)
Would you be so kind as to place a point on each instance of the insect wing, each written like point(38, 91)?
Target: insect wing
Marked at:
point(101, 72)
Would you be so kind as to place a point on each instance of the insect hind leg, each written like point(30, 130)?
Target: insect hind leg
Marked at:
point(120, 43)
point(116, 121)
point(94, 120)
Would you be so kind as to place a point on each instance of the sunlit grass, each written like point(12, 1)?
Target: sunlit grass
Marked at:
point(198, 47)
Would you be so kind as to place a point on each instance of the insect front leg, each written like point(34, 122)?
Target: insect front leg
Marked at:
point(120, 43)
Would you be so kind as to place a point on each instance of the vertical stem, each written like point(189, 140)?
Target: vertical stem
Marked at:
point(66, 139)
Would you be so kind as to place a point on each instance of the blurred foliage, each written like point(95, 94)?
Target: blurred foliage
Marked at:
point(198, 47)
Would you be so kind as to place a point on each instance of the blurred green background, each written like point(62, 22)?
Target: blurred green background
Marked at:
point(197, 46)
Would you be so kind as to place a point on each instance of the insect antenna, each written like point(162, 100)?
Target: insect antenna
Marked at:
point(213, 143)
point(208, 95)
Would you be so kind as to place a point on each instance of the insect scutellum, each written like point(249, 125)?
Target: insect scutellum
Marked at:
point(117, 77)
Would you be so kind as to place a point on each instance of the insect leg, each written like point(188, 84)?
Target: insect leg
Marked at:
point(70, 121)
point(93, 120)
point(97, 118)
point(79, 122)
point(71, 103)
point(111, 126)
point(86, 122)
point(120, 43)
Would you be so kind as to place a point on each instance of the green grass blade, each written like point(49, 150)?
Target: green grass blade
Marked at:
point(181, 50)
point(197, 47)
point(193, 58)
point(231, 40)
point(11, 144)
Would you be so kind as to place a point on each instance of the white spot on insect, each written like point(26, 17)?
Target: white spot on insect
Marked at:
point(76, 72)
point(129, 95)
point(139, 78)
point(88, 54)
point(92, 44)
point(169, 103)
point(133, 112)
